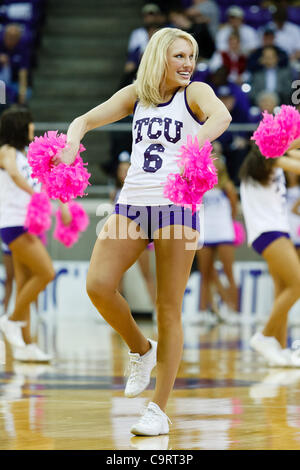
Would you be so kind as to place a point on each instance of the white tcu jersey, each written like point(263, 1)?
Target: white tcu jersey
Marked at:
point(264, 207)
point(293, 195)
point(218, 223)
point(14, 200)
point(158, 132)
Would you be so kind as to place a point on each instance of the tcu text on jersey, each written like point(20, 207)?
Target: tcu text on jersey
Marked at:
point(156, 127)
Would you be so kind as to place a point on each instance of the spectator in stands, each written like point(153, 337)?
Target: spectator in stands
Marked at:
point(271, 77)
point(268, 39)
point(248, 35)
point(179, 19)
point(235, 144)
point(138, 40)
point(5, 70)
point(15, 49)
point(287, 34)
point(205, 11)
point(233, 59)
point(218, 80)
point(266, 101)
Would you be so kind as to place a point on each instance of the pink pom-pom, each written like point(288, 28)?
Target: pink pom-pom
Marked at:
point(275, 134)
point(38, 217)
point(289, 119)
point(298, 231)
point(150, 246)
point(64, 182)
point(239, 233)
point(69, 234)
point(199, 175)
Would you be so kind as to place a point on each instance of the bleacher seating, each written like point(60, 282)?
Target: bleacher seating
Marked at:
point(30, 16)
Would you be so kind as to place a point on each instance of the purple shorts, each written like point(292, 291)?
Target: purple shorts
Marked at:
point(152, 218)
point(9, 234)
point(265, 239)
point(214, 245)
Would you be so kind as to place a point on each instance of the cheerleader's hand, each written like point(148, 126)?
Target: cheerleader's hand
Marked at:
point(65, 214)
point(295, 144)
point(66, 155)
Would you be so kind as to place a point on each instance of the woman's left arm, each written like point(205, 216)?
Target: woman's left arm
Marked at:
point(209, 108)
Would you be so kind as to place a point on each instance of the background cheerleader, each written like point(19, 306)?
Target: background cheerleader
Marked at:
point(220, 208)
point(33, 267)
point(293, 202)
point(9, 275)
point(263, 198)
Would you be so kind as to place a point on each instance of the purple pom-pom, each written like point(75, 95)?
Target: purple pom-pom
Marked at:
point(38, 217)
point(239, 233)
point(69, 234)
point(199, 175)
point(275, 134)
point(64, 182)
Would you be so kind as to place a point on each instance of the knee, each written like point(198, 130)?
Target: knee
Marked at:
point(168, 314)
point(48, 275)
point(98, 288)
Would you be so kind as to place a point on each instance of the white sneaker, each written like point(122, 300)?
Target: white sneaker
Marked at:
point(31, 353)
point(292, 356)
point(12, 331)
point(140, 368)
point(270, 349)
point(153, 422)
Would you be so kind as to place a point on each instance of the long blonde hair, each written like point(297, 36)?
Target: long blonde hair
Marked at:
point(153, 66)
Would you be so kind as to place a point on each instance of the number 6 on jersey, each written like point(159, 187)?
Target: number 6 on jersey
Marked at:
point(153, 162)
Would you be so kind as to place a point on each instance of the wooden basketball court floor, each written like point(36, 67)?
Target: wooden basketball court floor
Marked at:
point(225, 398)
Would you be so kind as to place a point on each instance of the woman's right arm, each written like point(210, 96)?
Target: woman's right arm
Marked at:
point(231, 193)
point(8, 161)
point(121, 104)
point(295, 144)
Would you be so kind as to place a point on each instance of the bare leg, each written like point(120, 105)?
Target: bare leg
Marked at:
point(22, 275)
point(111, 258)
point(222, 291)
point(284, 267)
point(226, 255)
point(9, 272)
point(30, 252)
point(144, 264)
point(205, 259)
point(173, 265)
